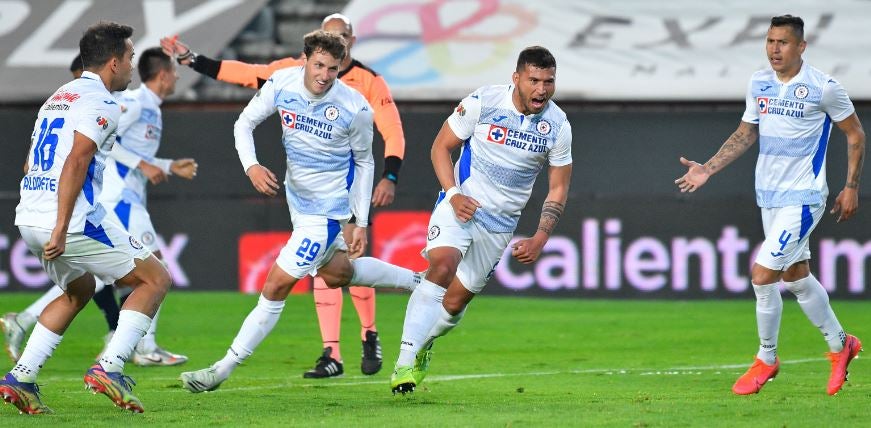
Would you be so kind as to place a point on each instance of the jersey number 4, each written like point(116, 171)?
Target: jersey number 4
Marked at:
point(43, 150)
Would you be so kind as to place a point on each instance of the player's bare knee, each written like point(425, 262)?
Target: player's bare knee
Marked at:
point(440, 273)
point(338, 279)
point(453, 305)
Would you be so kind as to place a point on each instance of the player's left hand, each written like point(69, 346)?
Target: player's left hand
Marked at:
point(55, 246)
point(359, 240)
point(846, 204)
point(527, 250)
point(184, 168)
point(384, 193)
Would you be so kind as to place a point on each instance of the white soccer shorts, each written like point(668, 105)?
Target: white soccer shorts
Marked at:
point(481, 248)
point(314, 241)
point(135, 218)
point(787, 235)
point(107, 253)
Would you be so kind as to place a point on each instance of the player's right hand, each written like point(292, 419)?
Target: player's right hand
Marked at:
point(696, 176)
point(184, 168)
point(464, 206)
point(263, 180)
point(174, 48)
point(55, 246)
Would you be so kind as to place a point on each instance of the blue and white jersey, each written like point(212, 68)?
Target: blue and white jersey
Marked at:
point(504, 151)
point(139, 131)
point(84, 106)
point(327, 140)
point(795, 121)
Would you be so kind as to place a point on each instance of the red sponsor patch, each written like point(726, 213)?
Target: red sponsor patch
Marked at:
point(64, 96)
point(288, 119)
point(102, 121)
point(257, 254)
point(497, 134)
point(762, 103)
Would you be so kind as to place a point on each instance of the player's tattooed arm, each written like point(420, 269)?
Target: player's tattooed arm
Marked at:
point(550, 215)
point(734, 147)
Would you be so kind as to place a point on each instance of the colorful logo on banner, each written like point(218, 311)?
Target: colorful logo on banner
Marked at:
point(257, 253)
point(399, 236)
point(428, 48)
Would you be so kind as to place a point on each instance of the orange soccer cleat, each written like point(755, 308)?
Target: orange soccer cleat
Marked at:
point(755, 377)
point(840, 361)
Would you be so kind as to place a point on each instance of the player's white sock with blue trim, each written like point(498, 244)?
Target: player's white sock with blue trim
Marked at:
point(814, 301)
point(132, 326)
point(421, 315)
point(255, 328)
point(371, 272)
point(40, 345)
point(769, 307)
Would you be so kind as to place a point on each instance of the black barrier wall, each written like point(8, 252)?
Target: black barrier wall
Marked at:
point(627, 231)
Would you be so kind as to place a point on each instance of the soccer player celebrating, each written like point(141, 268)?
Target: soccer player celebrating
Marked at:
point(328, 301)
point(327, 135)
point(507, 133)
point(790, 108)
point(66, 228)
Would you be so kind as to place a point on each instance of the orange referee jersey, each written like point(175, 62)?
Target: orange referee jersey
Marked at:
point(358, 76)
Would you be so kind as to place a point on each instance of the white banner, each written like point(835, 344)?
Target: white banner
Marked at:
point(41, 38)
point(605, 50)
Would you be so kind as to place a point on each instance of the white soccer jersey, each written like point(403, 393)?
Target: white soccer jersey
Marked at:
point(328, 142)
point(795, 121)
point(139, 131)
point(85, 106)
point(504, 152)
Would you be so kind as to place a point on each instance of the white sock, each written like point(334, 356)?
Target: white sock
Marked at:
point(132, 326)
point(371, 272)
point(28, 318)
point(148, 343)
point(769, 307)
point(254, 329)
point(814, 301)
point(445, 323)
point(40, 345)
point(422, 313)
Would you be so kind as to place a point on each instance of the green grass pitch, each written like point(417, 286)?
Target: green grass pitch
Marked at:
point(511, 362)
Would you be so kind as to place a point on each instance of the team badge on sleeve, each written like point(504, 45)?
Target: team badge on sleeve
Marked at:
point(102, 121)
point(543, 127)
point(331, 113)
point(460, 110)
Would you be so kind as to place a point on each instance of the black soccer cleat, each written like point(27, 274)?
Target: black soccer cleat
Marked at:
point(325, 367)
point(371, 361)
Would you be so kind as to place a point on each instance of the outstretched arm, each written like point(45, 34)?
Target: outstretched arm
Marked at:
point(847, 202)
point(527, 250)
point(241, 73)
point(733, 148)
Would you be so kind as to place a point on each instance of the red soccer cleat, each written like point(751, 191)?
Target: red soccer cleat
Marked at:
point(755, 377)
point(840, 361)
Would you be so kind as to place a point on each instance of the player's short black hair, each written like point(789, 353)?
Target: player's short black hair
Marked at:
point(151, 62)
point(102, 42)
point(536, 56)
point(320, 40)
point(76, 65)
point(794, 22)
